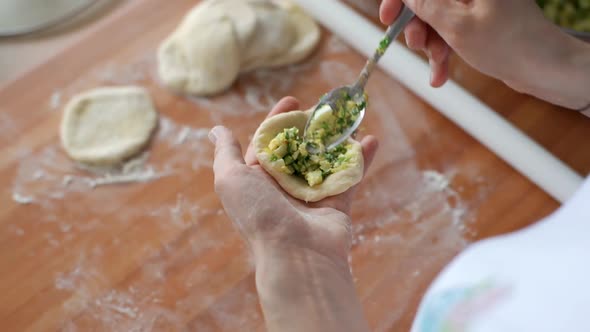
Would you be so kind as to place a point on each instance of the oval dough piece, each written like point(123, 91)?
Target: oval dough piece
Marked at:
point(275, 36)
point(297, 187)
point(307, 36)
point(108, 125)
point(241, 14)
point(200, 58)
point(219, 39)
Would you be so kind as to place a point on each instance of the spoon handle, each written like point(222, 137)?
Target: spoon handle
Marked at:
point(391, 34)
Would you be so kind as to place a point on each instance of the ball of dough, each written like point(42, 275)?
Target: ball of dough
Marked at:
point(105, 126)
point(296, 186)
point(219, 39)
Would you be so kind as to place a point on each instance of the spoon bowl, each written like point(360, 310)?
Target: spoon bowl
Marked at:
point(328, 103)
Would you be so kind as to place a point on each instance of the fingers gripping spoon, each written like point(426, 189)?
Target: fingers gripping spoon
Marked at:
point(347, 104)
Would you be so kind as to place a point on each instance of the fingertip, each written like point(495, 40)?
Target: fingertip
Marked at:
point(370, 146)
point(439, 73)
point(388, 11)
point(286, 104)
point(228, 151)
point(290, 102)
point(215, 132)
point(370, 141)
point(385, 17)
point(416, 34)
point(438, 80)
point(438, 52)
point(223, 137)
point(250, 156)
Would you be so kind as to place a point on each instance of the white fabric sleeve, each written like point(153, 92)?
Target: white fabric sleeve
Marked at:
point(535, 279)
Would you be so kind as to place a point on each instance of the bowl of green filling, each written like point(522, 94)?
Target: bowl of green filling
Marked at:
point(573, 16)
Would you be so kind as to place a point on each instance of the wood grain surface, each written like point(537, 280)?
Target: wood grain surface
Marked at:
point(162, 255)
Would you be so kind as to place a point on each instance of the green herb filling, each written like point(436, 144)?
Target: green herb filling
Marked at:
point(289, 155)
point(289, 151)
point(572, 14)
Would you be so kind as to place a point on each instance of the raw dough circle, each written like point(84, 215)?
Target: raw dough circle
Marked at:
point(219, 39)
point(297, 187)
point(242, 16)
point(307, 36)
point(274, 36)
point(108, 125)
point(200, 59)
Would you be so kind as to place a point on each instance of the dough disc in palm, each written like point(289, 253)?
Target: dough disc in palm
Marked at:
point(296, 186)
point(108, 125)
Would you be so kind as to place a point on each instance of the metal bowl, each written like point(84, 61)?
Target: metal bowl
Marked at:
point(585, 36)
point(22, 17)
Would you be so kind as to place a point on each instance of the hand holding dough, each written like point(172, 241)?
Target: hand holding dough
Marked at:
point(219, 39)
point(108, 125)
point(296, 186)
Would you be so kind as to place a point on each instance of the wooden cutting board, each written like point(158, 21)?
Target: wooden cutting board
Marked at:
point(162, 255)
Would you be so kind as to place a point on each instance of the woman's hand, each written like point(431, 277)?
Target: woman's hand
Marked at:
point(508, 40)
point(300, 250)
point(265, 214)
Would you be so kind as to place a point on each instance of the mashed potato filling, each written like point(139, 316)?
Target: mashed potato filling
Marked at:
point(289, 152)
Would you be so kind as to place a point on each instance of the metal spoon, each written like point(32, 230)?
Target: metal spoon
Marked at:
point(356, 91)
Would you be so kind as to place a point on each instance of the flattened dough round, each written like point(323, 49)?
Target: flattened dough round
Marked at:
point(242, 16)
point(219, 39)
point(200, 59)
point(274, 36)
point(297, 187)
point(307, 35)
point(105, 126)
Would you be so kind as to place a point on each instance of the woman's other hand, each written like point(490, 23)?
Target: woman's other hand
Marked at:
point(508, 40)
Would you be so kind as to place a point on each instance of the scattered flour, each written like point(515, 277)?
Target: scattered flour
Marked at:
point(435, 180)
point(257, 92)
point(8, 126)
point(118, 303)
point(142, 176)
point(67, 180)
point(140, 70)
point(133, 171)
point(21, 199)
point(49, 175)
point(55, 100)
point(75, 278)
point(183, 135)
point(336, 45)
point(38, 175)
